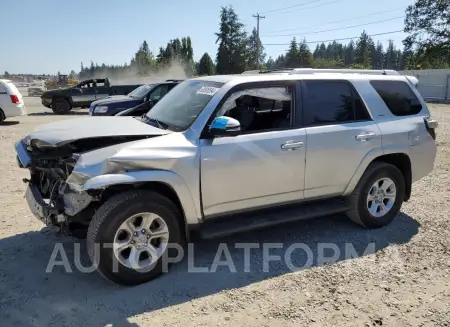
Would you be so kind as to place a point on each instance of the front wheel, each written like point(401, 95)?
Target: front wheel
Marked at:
point(60, 106)
point(378, 197)
point(129, 235)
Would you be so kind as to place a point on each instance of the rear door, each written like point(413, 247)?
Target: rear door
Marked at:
point(339, 134)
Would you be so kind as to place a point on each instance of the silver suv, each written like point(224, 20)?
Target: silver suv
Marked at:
point(224, 154)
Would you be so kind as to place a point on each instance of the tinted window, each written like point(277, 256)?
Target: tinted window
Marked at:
point(158, 92)
point(3, 89)
point(326, 102)
point(398, 97)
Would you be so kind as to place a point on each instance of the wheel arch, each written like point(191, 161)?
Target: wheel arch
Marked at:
point(396, 157)
point(166, 183)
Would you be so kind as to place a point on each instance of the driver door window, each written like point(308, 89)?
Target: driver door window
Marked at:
point(158, 92)
point(263, 165)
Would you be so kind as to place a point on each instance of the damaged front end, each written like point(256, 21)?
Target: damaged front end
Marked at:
point(53, 193)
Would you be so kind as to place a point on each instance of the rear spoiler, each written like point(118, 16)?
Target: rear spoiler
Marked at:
point(412, 79)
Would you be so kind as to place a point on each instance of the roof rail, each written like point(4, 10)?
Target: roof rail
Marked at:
point(345, 71)
point(174, 80)
point(292, 71)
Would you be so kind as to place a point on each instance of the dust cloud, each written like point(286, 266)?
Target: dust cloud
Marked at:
point(131, 75)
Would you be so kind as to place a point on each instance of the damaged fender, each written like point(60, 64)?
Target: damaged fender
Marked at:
point(167, 177)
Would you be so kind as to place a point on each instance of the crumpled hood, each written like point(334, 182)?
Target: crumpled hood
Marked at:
point(66, 131)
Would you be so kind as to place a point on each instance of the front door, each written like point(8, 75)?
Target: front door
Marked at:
point(263, 166)
point(83, 94)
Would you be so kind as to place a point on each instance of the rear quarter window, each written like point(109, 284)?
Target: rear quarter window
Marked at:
point(3, 89)
point(398, 97)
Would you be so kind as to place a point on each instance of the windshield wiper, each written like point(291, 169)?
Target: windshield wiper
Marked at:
point(160, 124)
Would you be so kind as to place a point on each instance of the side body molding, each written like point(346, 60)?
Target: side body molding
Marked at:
point(191, 213)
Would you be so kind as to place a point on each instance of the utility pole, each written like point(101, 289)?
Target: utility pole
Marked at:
point(258, 18)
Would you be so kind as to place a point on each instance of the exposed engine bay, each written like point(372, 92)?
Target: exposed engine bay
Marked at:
point(51, 166)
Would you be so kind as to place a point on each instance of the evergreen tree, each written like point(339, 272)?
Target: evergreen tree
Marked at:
point(231, 54)
point(362, 51)
point(206, 65)
point(252, 48)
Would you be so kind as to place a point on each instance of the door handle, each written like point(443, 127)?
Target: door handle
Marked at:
point(291, 145)
point(365, 136)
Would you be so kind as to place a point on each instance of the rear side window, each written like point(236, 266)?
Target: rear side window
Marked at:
point(398, 97)
point(3, 89)
point(331, 102)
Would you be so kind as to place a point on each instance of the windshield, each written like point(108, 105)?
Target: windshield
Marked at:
point(141, 91)
point(179, 108)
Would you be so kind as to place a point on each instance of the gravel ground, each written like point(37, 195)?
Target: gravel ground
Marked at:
point(403, 282)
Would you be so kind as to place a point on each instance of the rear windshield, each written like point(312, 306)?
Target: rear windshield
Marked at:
point(398, 97)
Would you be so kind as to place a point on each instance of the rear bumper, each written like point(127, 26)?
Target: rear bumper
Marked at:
point(15, 110)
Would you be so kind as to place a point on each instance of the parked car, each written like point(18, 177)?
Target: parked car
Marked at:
point(36, 89)
point(62, 100)
point(145, 96)
point(226, 154)
point(11, 101)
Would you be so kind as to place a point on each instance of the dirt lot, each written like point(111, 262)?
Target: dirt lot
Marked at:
point(405, 283)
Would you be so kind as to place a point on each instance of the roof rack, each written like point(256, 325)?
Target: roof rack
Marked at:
point(292, 71)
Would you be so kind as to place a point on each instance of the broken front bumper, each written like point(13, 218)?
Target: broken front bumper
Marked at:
point(39, 208)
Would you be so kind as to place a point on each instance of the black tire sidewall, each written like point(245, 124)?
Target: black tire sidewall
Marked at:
point(111, 224)
point(59, 111)
point(385, 171)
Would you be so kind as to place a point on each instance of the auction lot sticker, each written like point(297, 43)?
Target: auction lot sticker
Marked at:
point(208, 90)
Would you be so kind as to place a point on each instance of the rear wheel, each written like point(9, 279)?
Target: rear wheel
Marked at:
point(2, 116)
point(60, 106)
point(129, 235)
point(378, 197)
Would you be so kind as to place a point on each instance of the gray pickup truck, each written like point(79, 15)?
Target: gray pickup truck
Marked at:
point(61, 101)
point(226, 154)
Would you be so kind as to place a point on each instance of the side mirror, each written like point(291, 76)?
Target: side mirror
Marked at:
point(225, 126)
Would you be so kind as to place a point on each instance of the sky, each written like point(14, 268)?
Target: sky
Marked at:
point(47, 36)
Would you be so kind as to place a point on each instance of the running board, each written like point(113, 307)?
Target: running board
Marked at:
point(238, 223)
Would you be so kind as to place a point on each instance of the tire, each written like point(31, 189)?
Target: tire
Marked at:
point(106, 224)
point(2, 116)
point(358, 200)
point(60, 106)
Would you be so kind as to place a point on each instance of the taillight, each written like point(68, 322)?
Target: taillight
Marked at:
point(15, 99)
point(431, 125)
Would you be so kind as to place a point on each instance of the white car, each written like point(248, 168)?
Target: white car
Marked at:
point(11, 101)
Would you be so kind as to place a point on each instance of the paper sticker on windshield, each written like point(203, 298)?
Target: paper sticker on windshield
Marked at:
point(208, 90)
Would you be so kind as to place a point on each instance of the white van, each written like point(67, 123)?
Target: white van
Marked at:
point(11, 101)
